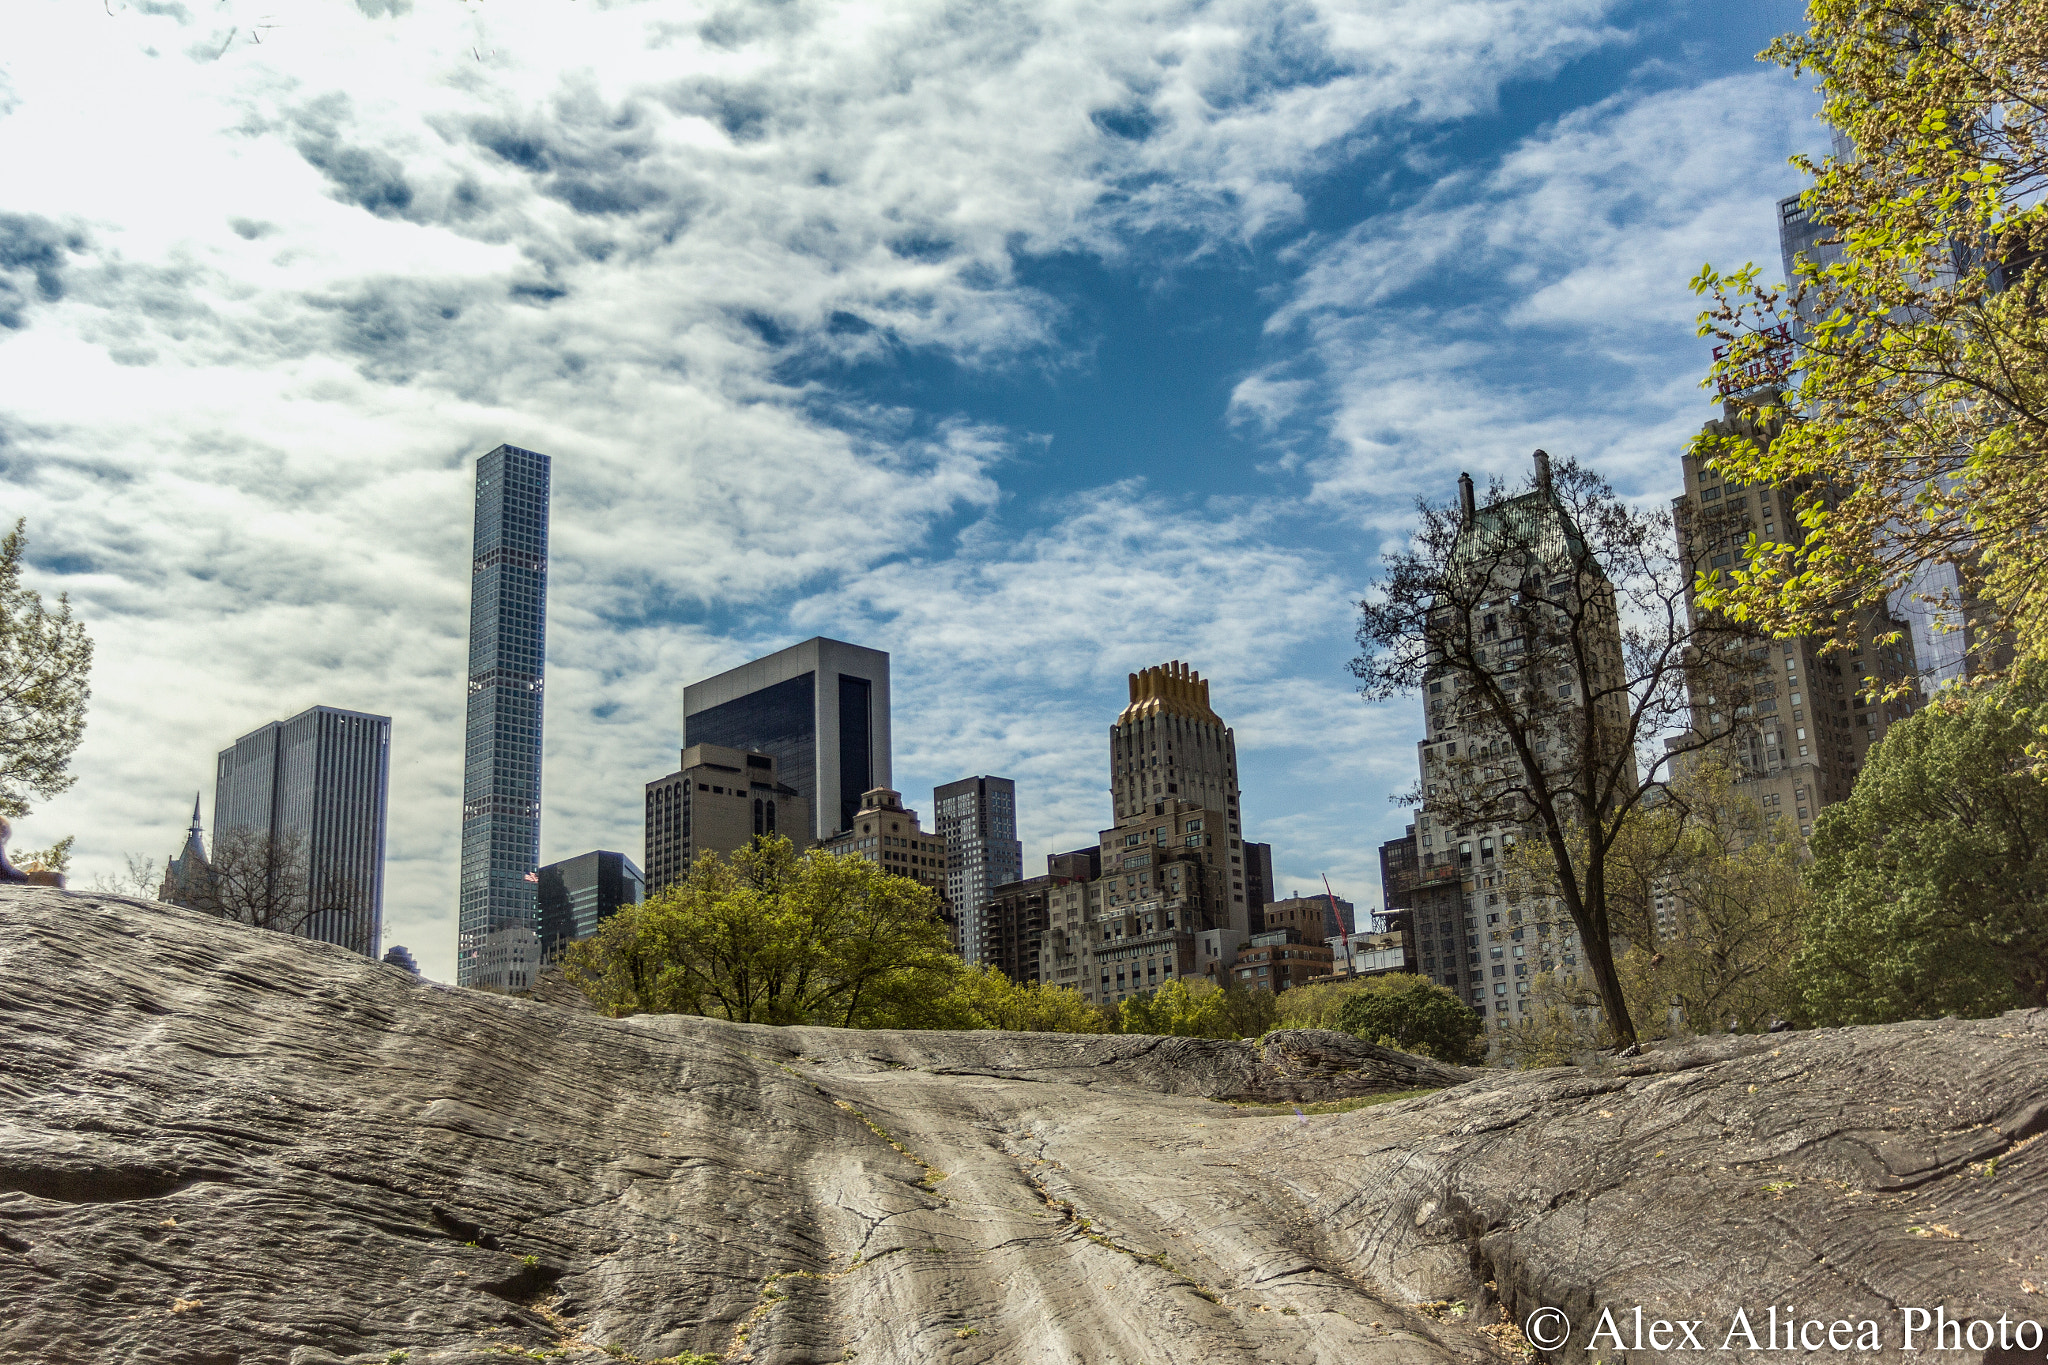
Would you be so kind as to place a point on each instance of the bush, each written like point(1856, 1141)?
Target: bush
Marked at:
point(982, 997)
point(1929, 885)
point(1410, 1013)
point(1320, 1005)
point(1201, 1010)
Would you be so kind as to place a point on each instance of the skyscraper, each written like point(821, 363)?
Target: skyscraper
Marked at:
point(978, 818)
point(577, 894)
point(1814, 719)
point(502, 740)
point(1546, 610)
point(319, 779)
point(1169, 899)
point(819, 709)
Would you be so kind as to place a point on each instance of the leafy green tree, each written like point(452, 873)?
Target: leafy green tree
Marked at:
point(45, 660)
point(1914, 404)
point(1929, 884)
point(1415, 1015)
point(1200, 1009)
point(769, 937)
point(982, 997)
point(1318, 1005)
point(1705, 887)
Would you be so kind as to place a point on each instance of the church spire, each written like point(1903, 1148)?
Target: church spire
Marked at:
point(195, 842)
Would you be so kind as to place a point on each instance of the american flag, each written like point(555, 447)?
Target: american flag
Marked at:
point(533, 876)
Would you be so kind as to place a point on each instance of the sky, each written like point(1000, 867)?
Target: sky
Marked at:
point(1034, 344)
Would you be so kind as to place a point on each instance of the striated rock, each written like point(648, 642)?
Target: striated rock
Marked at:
point(220, 1146)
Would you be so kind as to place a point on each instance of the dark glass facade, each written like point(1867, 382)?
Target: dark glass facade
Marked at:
point(856, 759)
point(578, 894)
point(780, 721)
point(502, 739)
point(321, 778)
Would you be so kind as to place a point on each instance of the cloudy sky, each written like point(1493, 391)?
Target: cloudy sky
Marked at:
point(1033, 343)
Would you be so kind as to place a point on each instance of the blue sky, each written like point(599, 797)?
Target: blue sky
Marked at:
point(1032, 343)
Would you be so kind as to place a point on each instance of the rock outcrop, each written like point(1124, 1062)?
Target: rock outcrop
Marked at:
point(220, 1146)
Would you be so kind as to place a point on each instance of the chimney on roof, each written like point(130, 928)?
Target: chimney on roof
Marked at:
point(1543, 472)
point(1465, 499)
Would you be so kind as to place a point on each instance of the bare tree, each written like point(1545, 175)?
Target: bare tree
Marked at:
point(1554, 634)
point(138, 876)
point(254, 877)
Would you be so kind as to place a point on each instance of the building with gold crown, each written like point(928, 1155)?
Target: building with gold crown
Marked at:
point(1171, 899)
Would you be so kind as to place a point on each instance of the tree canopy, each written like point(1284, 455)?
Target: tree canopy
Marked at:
point(1906, 384)
point(1704, 884)
point(1415, 1015)
point(1200, 1009)
point(769, 936)
point(45, 660)
point(1929, 885)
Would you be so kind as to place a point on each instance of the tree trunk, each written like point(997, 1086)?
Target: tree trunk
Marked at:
point(1600, 959)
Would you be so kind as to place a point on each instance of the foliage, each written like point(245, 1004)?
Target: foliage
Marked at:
point(1555, 636)
point(768, 937)
point(1201, 1009)
point(1914, 407)
point(1705, 887)
point(1556, 1028)
point(1930, 883)
point(1316, 1005)
point(1415, 1015)
point(982, 997)
point(45, 659)
point(55, 858)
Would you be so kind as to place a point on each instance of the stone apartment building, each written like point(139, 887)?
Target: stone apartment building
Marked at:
point(716, 801)
point(1170, 894)
point(1814, 720)
point(1514, 556)
point(1015, 918)
point(1314, 917)
point(887, 832)
point(1279, 959)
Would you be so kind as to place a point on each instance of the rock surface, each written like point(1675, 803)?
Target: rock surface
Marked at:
point(220, 1146)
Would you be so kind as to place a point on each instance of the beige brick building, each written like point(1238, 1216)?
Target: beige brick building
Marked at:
point(1172, 886)
point(1813, 721)
point(718, 800)
point(886, 832)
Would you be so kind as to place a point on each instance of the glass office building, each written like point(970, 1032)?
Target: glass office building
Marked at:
point(319, 780)
point(819, 709)
point(577, 894)
point(502, 739)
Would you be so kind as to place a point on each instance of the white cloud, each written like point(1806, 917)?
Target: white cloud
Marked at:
point(307, 280)
point(1538, 301)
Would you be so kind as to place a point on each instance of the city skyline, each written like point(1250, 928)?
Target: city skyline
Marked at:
point(1051, 354)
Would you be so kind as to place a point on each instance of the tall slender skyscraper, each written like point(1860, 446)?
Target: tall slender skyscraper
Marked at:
point(319, 779)
point(978, 818)
point(507, 652)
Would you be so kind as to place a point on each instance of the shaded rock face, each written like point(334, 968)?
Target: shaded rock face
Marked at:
point(220, 1146)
